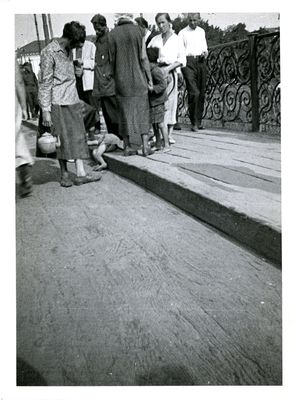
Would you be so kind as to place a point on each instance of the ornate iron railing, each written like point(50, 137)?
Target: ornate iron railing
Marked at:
point(242, 85)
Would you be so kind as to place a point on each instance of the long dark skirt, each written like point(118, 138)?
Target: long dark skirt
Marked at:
point(134, 115)
point(68, 125)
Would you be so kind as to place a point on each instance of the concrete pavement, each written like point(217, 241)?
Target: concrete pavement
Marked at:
point(230, 180)
point(118, 287)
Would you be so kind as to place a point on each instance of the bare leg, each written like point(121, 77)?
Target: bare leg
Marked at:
point(79, 168)
point(128, 150)
point(65, 181)
point(158, 136)
point(164, 131)
point(170, 133)
point(146, 150)
point(97, 154)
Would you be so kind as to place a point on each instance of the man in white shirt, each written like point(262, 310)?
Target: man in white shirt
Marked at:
point(84, 61)
point(194, 73)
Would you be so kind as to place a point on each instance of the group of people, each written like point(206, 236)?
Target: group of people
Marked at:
point(129, 73)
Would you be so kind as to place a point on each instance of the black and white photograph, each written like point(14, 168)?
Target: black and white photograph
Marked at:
point(147, 199)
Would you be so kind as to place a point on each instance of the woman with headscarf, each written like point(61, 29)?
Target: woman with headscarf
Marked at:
point(60, 104)
point(132, 77)
point(171, 56)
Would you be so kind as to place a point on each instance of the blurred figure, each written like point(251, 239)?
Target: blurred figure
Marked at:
point(133, 79)
point(194, 73)
point(31, 89)
point(61, 106)
point(104, 85)
point(23, 158)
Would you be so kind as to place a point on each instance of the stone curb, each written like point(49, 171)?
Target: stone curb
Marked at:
point(255, 234)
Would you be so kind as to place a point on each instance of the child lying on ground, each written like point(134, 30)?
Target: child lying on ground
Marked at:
point(104, 143)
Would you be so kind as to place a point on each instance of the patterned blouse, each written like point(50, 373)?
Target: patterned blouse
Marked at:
point(57, 80)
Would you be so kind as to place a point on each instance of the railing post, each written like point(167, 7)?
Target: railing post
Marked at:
point(254, 81)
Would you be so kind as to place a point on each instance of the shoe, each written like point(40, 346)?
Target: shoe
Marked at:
point(81, 180)
point(148, 152)
point(194, 128)
point(201, 127)
point(177, 127)
point(25, 175)
point(171, 140)
point(129, 152)
point(66, 182)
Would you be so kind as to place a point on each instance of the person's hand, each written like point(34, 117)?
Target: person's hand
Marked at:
point(47, 121)
point(24, 114)
point(150, 86)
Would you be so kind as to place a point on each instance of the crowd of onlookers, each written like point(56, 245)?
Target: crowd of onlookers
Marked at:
point(129, 75)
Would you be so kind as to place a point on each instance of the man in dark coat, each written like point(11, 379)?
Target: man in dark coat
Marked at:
point(104, 85)
point(133, 79)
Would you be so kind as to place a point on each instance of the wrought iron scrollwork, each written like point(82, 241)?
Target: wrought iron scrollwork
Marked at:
point(228, 90)
point(268, 61)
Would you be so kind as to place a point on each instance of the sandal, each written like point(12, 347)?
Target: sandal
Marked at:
point(81, 180)
point(65, 181)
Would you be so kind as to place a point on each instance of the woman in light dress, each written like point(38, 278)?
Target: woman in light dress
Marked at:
point(171, 57)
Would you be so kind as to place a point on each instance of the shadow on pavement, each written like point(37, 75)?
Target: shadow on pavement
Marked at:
point(27, 375)
point(167, 375)
point(45, 171)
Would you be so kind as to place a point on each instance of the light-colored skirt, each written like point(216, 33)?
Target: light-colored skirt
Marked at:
point(171, 103)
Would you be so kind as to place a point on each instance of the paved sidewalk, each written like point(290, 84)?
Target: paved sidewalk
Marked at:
point(230, 180)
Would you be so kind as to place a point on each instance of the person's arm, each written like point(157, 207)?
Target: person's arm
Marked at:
point(181, 56)
point(161, 83)
point(20, 90)
point(46, 86)
point(205, 46)
point(146, 65)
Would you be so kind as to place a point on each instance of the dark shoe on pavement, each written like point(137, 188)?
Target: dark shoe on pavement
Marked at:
point(81, 180)
point(129, 152)
point(66, 182)
point(177, 127)
point(200, 127)
point(194, 128)
point(148, 152)
point(25, 175)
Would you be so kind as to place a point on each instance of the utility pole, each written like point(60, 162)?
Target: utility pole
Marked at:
point(45, 27)
point(37, 30)
point(50, 26)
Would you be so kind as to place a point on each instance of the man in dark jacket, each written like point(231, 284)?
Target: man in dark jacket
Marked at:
point(104, 85)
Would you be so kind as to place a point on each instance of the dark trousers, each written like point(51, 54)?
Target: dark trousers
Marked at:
point(85, 95)
point(195, 78)
point(110, 113)
point(32, 101)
